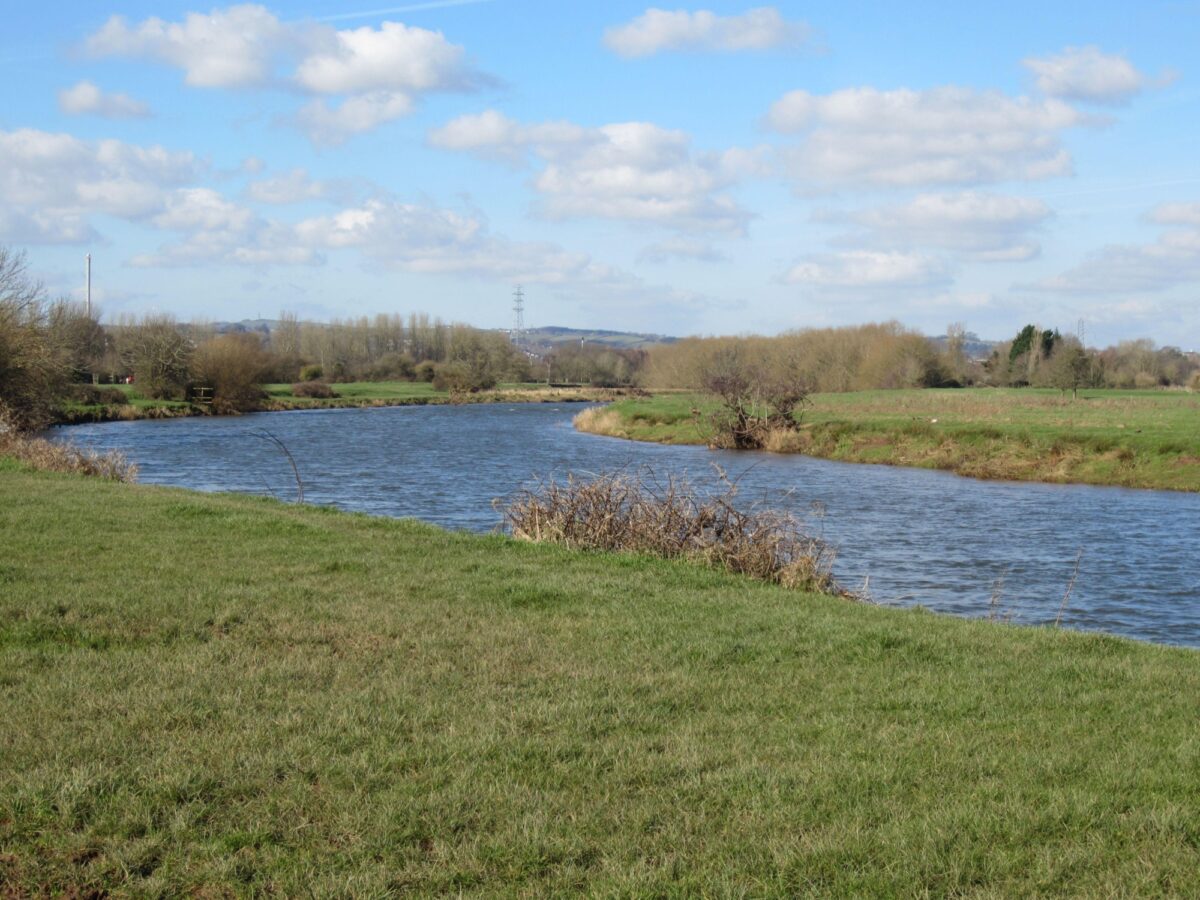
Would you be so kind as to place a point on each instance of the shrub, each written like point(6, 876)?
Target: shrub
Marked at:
point(233, 365)
point(619, 512)
point(425, 371)
point(95, 395)
point(391, 367)
point(32, 371)
point(316, 389)
point(311, 373)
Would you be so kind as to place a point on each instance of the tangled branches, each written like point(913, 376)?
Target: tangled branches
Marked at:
point(641, 514)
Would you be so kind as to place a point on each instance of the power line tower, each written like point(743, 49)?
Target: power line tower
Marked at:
point(518, 332)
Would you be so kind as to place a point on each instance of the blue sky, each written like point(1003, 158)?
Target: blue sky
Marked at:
point(718, 168)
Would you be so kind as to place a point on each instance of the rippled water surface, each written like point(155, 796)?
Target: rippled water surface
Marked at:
point(922, 537)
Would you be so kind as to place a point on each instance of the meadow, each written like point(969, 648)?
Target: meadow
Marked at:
point(1146, 439)
point(355, 393)
point(220, 695)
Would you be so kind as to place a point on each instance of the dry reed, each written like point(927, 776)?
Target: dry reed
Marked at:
point(643, 514)
point(47, 456)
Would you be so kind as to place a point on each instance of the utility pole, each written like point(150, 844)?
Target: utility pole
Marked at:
point(89, 285)
point(518, 333)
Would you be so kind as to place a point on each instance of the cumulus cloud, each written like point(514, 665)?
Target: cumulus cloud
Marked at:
point(940, 136)
point(393, 57)
point(657, 30)
point(87, 99)
point(214, 229)
point(1176, 214)
point(491, 134)
point(295, 186)
point(1085, 73)
point(1172, 260)
point(61, 182)
point(423, 238)
point(332, 125)
point(867, 269)
point(379, 74)
point(978, 226)
point(631, 171)
point(680, 248)
point(234, 47)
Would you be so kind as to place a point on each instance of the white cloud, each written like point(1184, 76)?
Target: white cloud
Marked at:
point(978, 226)
point(87, 99)
point(333, 125)
point(421, 238)
point(1176, 214)
point(1172, 260)
point(217, 230)
point(31, 226)
point(657, 30)
point(380, 73)
point(291, 187)
point(630, 171)
point(62, 181)
point(680, 248)
point(234, 47)
point(867, 269)
point(194, 209)
point(945, 135)
point(1085, 73)
point(491, 134)
point(394, 57)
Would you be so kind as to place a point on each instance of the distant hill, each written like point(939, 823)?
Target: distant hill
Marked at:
point(974, 346)
point(551, 336)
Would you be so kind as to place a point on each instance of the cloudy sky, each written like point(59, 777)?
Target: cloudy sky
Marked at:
point(706, 169)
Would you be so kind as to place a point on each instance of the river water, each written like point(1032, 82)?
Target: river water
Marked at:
point(919, 536)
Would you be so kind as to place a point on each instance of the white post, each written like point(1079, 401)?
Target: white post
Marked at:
point(89, 285)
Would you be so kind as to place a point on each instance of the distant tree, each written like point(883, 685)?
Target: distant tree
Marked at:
point(159, 356)
point(1071, 367)
point(234, 367)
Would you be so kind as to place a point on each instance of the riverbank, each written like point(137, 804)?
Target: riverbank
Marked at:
point(1141, 439)
point(279, 398)
point(215, 694)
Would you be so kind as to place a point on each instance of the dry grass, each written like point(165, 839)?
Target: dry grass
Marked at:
point(667, 518)
point(46, 456)
point(600, 420)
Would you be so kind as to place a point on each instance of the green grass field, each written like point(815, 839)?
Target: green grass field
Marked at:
point(1132, 438)
point(224, 696)
point(356, 393)
point(363, 391)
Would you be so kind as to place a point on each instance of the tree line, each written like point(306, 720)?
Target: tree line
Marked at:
point(53, 351)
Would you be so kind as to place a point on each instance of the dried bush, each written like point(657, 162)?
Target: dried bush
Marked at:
point(32, 369)
point(234, 366)
point(48, 456)
point(642, 514)
point(317, 389)
point(96, 395)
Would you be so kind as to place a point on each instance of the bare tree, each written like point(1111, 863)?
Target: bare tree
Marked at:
point(32, 372)
point(159, 356)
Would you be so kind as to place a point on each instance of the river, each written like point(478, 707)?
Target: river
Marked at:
point(914, 536)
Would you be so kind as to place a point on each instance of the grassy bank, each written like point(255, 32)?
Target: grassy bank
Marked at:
point(1145, 439)
point(218, 695)
point(350, 394)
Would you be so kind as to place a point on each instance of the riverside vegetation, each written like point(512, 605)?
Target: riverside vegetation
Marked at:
point(1145, 439)
point(207, 694)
